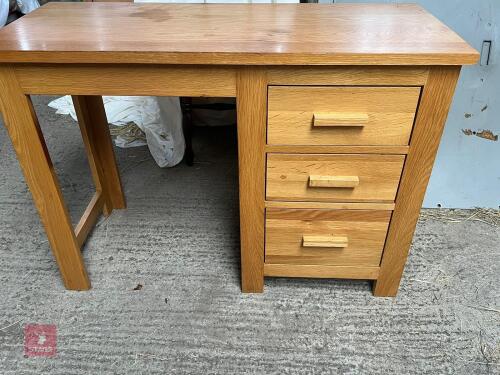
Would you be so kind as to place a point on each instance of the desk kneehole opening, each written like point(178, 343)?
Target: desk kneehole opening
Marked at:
point(334, 242)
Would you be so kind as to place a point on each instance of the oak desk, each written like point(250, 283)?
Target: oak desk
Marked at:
point(340, 112)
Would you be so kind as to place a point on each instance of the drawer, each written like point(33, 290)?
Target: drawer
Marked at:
point(325, 237)
point(326, 115)
point(334, 177)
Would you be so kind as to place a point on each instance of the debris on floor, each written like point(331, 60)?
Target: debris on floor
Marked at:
point(486, 215)
point(127, 134)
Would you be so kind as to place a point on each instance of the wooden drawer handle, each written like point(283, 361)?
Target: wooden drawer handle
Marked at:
point(346, 119)
point(333, 181)
point(324, 241)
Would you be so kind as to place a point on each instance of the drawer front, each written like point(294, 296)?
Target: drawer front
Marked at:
point(325, 237)
point(336, 177)
point(325, 115)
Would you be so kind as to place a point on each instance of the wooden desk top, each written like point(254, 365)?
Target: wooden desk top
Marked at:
point(239, 34)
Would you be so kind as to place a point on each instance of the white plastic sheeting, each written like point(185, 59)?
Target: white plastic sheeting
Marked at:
point(26, 6)
point(160, 118)
point(4, 12)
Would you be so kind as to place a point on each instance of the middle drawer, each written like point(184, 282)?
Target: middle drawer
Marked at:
point(333, 177)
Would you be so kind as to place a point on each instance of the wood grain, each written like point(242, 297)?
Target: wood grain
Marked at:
point(97, 140)
point(348, 75)
point(29, 144)
point(288, 177)
point(333, 181)
point(127, 79)
point(365, 232)
point(89, 218)
point(251, 104)
point(390, 112)
point(341, 119)
point(333, 206)
point(321, 149)
point(322, 272)
point(233, 34)
point(327, 241)
point(433, 110)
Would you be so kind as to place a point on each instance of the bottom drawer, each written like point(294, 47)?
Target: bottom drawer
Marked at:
point(325, 237)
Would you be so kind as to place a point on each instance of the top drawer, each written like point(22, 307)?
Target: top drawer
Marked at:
point(327, 115)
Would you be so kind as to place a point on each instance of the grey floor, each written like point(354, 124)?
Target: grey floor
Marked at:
point(179, 239)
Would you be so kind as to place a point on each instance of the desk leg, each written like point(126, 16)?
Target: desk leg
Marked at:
point(95, 133)
point(29, 144)
point(431, 117)
point(251, 99)
point(187, 127)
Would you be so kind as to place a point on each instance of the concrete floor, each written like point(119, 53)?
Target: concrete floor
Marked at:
point(179, 239)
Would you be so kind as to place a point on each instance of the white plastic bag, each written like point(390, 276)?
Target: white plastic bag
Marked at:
point(4, 12)
point(160, 118)
point(165, 137)
point(26, 6)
